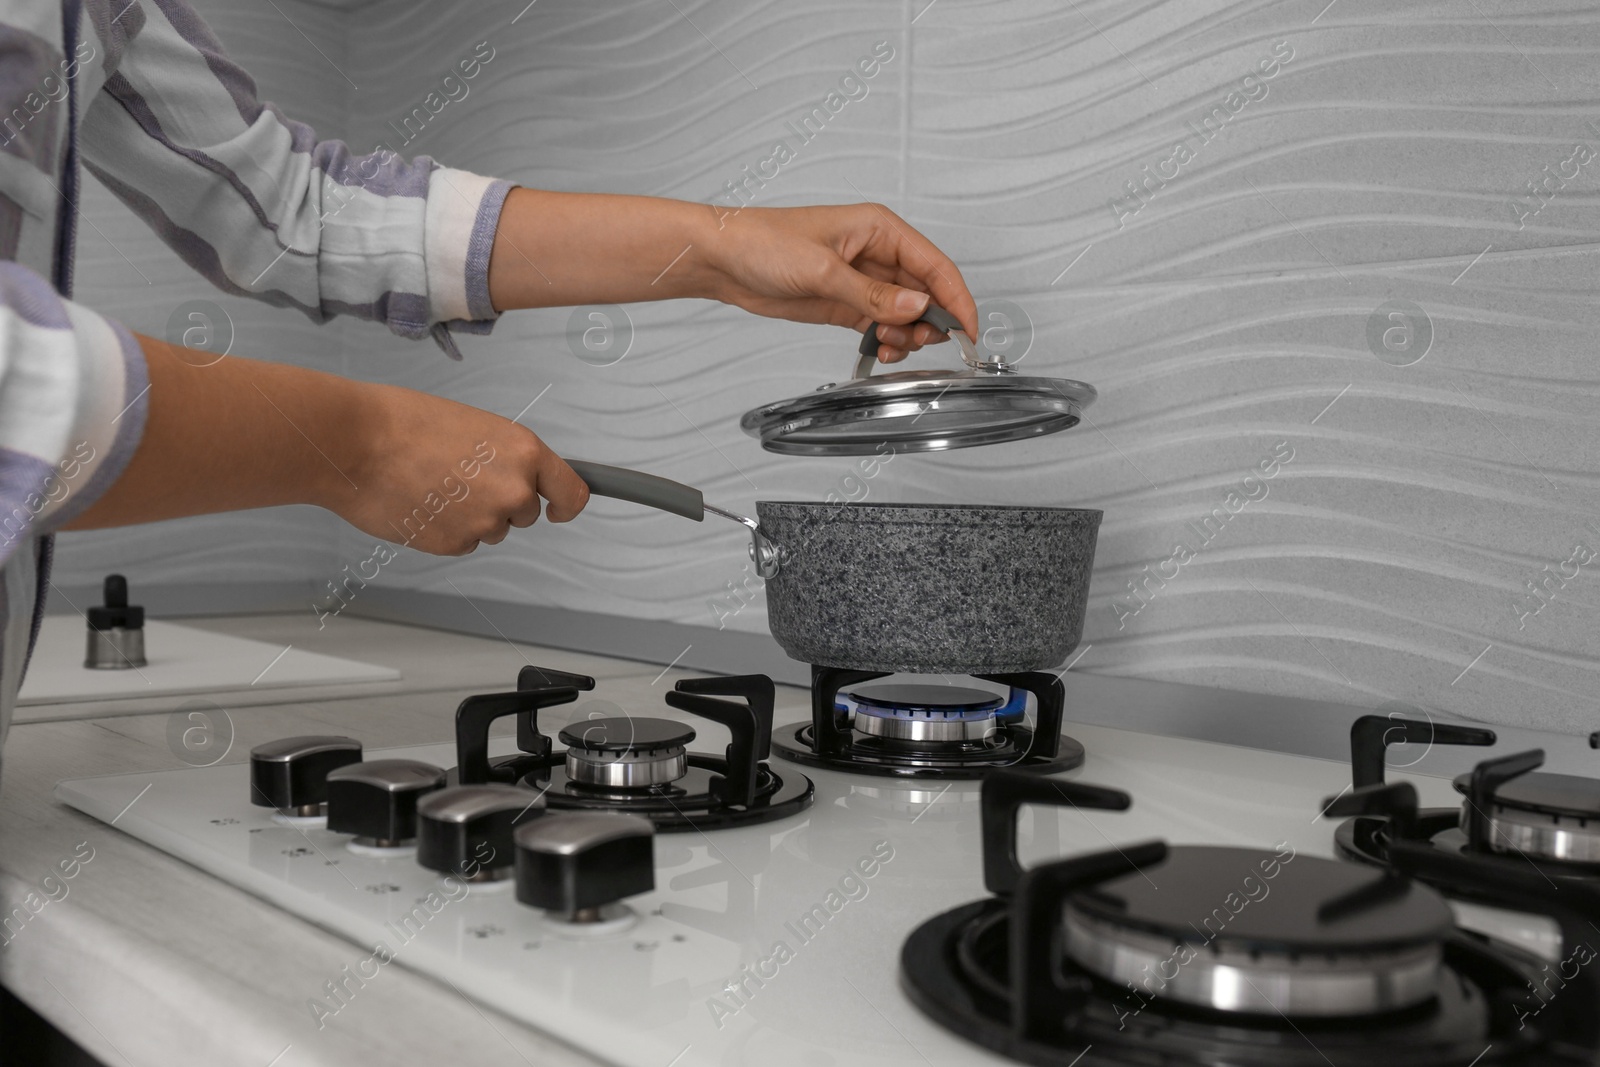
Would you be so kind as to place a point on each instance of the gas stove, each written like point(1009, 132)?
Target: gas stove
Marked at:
point(646, 943)
point(1511, 814)
point(1156, 954)
point(913, 730)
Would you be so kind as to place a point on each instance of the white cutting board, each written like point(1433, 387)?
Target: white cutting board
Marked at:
point(183, 659)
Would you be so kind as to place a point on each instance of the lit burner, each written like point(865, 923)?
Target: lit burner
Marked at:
point(909, 730)
point(932, 714)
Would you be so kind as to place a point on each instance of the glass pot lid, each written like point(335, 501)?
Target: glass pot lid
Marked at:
point(919, 410)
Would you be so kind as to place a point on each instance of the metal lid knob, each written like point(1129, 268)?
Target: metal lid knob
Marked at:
point(467, 830)
point(377, 800)
point(573, 863)
point(291, 774)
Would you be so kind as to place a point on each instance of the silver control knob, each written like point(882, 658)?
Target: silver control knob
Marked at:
point(377, 800)
point(573, 863)
point(466, 830)
point(292, 774)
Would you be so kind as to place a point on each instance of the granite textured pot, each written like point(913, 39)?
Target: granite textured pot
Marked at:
point(924, 588)
point(928, 588)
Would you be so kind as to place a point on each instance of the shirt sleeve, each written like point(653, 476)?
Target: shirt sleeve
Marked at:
point(73, 389)
point(261, 207)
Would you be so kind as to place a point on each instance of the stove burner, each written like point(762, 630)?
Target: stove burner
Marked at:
point(1298, 961)
point(626, 753)
point(1553, 817)
point(1547, 822)
point(930, 731)
point(637, 764)
point(931, 714)
point(1335, 940)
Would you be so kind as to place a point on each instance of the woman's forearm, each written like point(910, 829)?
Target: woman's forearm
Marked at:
point(235, 434)
point(404, 466)
point(563, 249)
point(846, 265)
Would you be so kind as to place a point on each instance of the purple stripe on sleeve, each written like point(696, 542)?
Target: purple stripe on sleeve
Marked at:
point(381, 173)
point(23, 480)
point(32, 298)
point(115, 23)
point(130, 430)
point(479, 247)
point(233, 78)
point(32, 88)
point(124, 93)
point(10, 227)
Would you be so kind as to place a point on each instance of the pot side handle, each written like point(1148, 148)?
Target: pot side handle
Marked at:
point(640, 488)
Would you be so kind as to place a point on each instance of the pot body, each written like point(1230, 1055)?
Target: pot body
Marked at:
point(929, 588)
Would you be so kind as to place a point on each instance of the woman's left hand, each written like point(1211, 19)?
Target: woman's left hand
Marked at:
point(849, 266)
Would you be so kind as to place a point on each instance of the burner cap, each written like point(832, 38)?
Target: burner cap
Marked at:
point(1243, 930)
point(914, 698)
point(626, 753)
point(927, 714)
point(626, 734)
point(1543, 816)
point(1545, 794)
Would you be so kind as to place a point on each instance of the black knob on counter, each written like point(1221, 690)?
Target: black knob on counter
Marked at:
point(292, 774)
point(573, 863)
point(377, 800)
point(467, 830)
point(116, 630)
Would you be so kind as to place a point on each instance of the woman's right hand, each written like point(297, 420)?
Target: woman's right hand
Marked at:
point(443, 477)
point(411, 468)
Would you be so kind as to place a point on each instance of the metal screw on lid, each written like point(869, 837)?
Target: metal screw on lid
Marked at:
point(291, 774)
point(116, 630)
point(572, 864)
point(377, 800)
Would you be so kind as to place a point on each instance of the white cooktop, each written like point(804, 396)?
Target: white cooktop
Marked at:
point(763, 945)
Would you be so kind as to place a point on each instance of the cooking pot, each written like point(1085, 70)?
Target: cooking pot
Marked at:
point(925, 588)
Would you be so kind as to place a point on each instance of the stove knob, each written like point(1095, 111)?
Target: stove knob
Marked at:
point(291, 774)
point(573, 863)
point(377, 800)
point(466, 830)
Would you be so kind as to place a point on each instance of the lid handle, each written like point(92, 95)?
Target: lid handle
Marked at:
point(939, 319)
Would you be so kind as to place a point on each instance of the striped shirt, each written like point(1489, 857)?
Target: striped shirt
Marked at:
point(145, 96)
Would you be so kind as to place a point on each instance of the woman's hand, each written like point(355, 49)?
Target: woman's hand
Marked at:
point(443, 477)
point(408, 467)
point(848, 266)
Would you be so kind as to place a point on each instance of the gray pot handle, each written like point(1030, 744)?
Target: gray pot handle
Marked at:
point(934, 316)
point(664, 494)
point(641, 488)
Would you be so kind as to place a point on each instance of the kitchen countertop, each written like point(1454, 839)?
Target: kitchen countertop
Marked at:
point(146, 960)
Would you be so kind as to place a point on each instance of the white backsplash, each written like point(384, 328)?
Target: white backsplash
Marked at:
point(1228, 314)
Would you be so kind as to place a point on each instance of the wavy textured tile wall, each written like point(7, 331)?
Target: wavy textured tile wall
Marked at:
point(1228, 307)
point(1224, 310)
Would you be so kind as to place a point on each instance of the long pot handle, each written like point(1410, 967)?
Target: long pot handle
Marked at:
point(664, 494)
point(934, 316)
point(637, 487)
